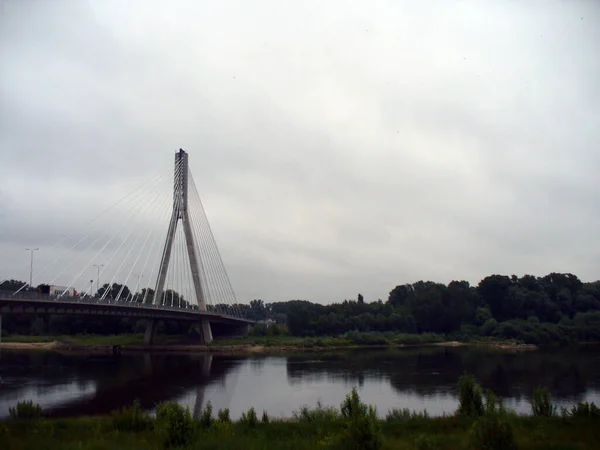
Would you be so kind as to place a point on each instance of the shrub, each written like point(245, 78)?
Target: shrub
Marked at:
point(585, 410)
point(250, 419)
point(362, 428)
point(318, 414)
point(493, 404)
point(470, 398)
point(401, 415)
point(492, 432)
point(541, 405)
point(174, 424)
point(206, 418)
point(131, 418)
point(25, 410)
point(223, 415)
point(425, 442)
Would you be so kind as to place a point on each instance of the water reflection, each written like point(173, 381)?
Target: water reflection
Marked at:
point(68, 385)
point(571, 375)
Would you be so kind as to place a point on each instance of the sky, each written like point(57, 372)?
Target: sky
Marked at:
point(339, 147)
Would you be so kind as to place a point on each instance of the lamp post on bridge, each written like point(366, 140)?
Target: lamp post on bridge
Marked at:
point(31, 265)
point(137, 285)
point(98, 277)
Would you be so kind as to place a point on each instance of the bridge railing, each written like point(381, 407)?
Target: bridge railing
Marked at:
point(36, 296)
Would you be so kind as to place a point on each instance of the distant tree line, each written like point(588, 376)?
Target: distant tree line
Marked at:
point(555, 308)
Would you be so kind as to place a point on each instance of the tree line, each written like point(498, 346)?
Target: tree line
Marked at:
point(555, 308)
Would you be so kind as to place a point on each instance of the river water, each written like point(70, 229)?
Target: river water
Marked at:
point(416, 378)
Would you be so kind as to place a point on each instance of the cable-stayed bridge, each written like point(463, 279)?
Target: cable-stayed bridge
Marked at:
point(157, 240)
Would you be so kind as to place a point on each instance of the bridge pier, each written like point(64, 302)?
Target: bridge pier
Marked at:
point(206, 336)
point(150, 333)
point(206, 332)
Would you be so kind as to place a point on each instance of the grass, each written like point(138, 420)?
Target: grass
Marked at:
point(351, 339)
point(440, 433)
point(91, 339)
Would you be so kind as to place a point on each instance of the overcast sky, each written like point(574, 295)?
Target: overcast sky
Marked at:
point(339, 147)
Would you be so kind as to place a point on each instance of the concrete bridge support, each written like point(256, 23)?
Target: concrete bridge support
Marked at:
point(206, 336)
point(206, 332)
point(150, 333)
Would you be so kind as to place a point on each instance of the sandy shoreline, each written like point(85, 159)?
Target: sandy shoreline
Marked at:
point(238, 349)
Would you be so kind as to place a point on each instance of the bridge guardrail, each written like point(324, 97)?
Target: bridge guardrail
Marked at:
point(36, 296)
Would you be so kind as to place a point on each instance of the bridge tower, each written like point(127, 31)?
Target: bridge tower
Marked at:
point(180, 214)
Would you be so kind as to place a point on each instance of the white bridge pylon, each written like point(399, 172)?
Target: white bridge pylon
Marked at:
point(181, 217)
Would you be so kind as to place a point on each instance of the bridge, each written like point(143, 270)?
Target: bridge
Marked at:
point(189, 284)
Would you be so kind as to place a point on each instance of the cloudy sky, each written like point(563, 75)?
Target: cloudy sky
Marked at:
point(338, 147)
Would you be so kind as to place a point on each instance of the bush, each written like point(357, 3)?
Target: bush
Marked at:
point(401, 415)
point(492, 432)
point(425, 442)
point(470, 397)
point(585, 410)
point(131, 418)
point(206, 418)
point(25, 410)
point(366, 338)
point(250, 419)
point(174, 424)
point(362, 428)
point(318, 414)
point(493, 404)
point(223, 415)
point(541, 405)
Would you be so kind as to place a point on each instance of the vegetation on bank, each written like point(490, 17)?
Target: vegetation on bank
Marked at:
point(261, 336)
point(278, 336)
point(92, 339)
point(480, 422)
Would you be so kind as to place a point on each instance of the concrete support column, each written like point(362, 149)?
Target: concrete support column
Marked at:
point(150, 332)
point(206, 332)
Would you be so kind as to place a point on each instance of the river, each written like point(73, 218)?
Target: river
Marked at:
point(416, 378)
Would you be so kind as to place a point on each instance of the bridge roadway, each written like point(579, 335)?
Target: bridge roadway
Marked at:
point(34, 303)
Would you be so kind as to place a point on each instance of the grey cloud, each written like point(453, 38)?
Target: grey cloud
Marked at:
point(338, 147)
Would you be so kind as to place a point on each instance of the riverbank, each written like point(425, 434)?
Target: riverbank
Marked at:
point(124, 344)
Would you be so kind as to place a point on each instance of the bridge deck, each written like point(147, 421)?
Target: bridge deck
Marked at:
point(34, 303)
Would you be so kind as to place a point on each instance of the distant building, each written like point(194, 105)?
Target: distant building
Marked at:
point(267, 322)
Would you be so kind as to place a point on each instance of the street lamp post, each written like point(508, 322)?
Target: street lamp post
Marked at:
point(137, 285)
point(31, 265)
point(98, 278)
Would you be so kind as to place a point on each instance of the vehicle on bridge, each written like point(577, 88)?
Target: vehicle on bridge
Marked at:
point(56, 291)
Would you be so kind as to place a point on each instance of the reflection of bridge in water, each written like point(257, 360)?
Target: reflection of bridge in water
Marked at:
point(154, 378)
